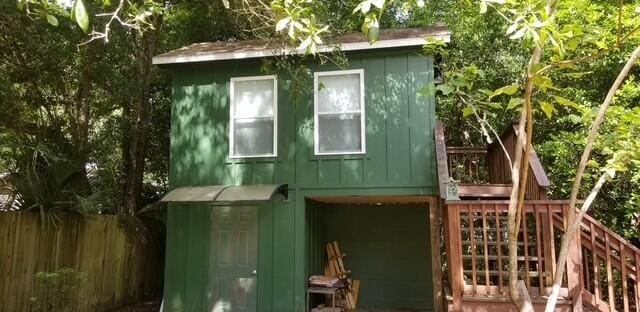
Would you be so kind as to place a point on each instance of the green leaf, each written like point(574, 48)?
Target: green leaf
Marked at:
point(467, 111)
point(566, 102)
point(611, 172)
point(547, 108)
point(373, 33)
point(378, 3)
point(282, 24)
point(444, 89)
point(21, 4)
point(515, 102)
point(365, 6)
point(305, 43)
point(428, 90)
point(486, 92)
point(512, 28)
point(357, 8)
point(509, 90)
point(371, 28)
point(483, 7)
point(80, 15)
point(52, 20)
point(519, 34)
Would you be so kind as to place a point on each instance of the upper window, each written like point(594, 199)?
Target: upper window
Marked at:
point(253, 122)
point(339, 112)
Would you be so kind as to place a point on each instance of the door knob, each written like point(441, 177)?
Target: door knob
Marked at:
point(254, 273)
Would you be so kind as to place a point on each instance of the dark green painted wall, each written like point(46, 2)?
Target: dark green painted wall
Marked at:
point(400, 159)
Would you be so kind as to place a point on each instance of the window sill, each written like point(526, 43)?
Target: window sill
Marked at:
point(249, 159)
point(339, 156)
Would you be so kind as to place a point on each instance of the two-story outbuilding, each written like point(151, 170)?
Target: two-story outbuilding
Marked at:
point(263, 175)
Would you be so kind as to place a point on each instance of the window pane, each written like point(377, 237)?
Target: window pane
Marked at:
point(339, 133)
point(253, 137)
point(253, 98)
point(339, 93)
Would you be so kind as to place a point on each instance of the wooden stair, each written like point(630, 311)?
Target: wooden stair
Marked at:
point(606, 254)
point(604, 271)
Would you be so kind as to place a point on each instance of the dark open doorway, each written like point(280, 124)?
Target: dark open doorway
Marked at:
point(387, 247)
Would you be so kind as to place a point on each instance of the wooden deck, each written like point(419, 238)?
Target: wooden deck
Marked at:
point(603, 270)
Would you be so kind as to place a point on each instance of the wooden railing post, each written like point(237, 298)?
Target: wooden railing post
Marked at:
point(575, 282)
point(435, 225)
point(548, 245)
point(454, 254)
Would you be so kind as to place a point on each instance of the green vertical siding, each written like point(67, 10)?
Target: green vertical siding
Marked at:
point(399, 127)
point(399, 160)
point(175, 260)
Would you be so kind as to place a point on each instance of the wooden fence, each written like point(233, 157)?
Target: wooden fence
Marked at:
point(119, 269)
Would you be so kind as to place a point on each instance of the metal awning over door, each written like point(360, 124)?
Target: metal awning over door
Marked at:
point(225, 193)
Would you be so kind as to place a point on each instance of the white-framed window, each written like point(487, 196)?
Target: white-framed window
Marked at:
point(339, 118)
point(253, 122)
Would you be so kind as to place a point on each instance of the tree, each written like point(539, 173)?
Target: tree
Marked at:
point(533, 59)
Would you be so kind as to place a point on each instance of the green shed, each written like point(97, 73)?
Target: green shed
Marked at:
point(262, 175)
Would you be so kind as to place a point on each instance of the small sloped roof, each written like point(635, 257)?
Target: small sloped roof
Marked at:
point(245, 49)
point(225, 193)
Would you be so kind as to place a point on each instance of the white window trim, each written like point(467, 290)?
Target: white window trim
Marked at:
point(363, 136)
point(231, 117)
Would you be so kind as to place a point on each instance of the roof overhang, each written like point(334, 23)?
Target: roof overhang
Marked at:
point(222, 194)
point(206, 52)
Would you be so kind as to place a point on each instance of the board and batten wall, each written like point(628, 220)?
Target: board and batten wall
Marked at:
point(119, 270)
point(399, 160)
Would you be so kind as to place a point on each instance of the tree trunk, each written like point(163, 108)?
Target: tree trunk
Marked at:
point(136, 121)
point(520, 170)
point(80, 118)
point(81, 110)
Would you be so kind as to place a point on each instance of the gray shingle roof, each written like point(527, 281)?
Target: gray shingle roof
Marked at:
point(235, 50)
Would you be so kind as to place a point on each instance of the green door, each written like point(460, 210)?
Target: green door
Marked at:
point(234, 259)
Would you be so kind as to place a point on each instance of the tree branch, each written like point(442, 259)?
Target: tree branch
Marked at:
point(519, 182)
point(598, 54)
point(586, 154)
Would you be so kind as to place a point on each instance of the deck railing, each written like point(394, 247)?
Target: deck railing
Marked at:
point(604, 273)
point(477, 247)
point(468, 165)
point(482, 172)
point(603, 269)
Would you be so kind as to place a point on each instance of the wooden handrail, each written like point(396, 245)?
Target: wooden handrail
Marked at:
point(590, 225)
point(601, 245)
point(538, 170)
point(607, 254)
